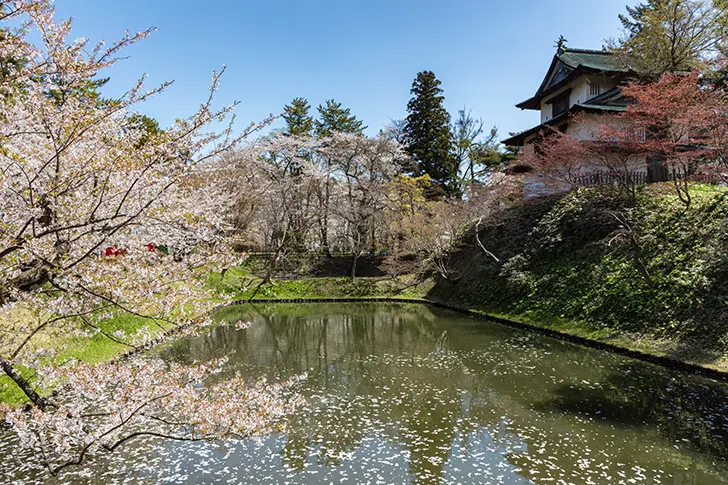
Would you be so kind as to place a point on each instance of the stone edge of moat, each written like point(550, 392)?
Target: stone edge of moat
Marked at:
point(661, 360)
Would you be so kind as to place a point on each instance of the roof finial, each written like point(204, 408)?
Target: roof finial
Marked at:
point(561, 45)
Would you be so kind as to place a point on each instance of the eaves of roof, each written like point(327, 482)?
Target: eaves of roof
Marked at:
point(519, 139)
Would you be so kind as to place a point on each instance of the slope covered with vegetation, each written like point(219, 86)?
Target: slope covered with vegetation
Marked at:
point(595, 264)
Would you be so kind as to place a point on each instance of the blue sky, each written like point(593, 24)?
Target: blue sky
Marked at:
point(488, 55)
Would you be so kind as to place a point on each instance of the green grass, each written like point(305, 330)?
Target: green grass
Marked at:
point(92, 349)
point(9, 392)
point(100, 348)
point(243, 285)
point(331, 287)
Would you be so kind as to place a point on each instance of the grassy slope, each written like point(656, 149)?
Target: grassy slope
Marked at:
point(562, 268)
point(243, 284)
point(93, 348)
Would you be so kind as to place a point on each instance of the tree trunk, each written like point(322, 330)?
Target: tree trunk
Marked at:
point(272, 263)
point(324, 232)
point(353, 266)
point(656, 169)
point(637, 253)
point(23, 384)
point(327, 199)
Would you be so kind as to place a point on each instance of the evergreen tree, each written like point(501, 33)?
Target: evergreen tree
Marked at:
point(299, 122)
point(475, 153)
point(333, 118)
point(672, 35)
point(148, 125)
point(428, 136)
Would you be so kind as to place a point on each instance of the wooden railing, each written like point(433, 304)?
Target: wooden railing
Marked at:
point(609, 178)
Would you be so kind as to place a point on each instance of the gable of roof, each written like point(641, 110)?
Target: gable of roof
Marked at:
point(557, 74)
point(571, 63)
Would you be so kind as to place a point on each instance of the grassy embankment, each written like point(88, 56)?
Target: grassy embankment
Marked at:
point(569, 265)
point(90, 348)
point(244, 285)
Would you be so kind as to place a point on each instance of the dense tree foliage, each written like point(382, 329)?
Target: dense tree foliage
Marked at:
point(346, 193)
point(298, 120)
point(88, 189)
point(428, 137)
point(673, 35)
point(335, 119)
point(476, 153)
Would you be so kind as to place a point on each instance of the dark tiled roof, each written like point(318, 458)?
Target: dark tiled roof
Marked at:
point(598, 60)
point(600, 107)
point(577, 62)
point(606, 97)
point(519, 139)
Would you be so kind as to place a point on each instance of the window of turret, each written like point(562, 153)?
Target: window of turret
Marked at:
point(595, 89)
point(560, 104)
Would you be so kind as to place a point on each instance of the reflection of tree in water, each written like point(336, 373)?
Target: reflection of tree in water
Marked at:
point(430, 384)
point(356, 385)
point(366, 390)
point(689, 413)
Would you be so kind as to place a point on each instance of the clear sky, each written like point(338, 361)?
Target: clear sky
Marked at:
point(488, 54)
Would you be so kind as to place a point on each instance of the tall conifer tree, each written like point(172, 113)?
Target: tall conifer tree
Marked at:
point(428, 136)
point(333, 118)
point(299, 122)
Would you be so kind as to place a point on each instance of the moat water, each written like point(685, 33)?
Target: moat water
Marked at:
point(407, 394)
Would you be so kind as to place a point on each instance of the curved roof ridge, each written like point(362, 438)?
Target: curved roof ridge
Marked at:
point(588, 51)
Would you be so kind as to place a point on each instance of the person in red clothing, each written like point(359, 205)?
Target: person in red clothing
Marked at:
point(114, 251)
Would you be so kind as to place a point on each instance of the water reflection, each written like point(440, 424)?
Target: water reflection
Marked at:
point(408, 394)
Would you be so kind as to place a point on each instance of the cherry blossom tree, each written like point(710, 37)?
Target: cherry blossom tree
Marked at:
point(79, 175)
point(301, 183)
point(558, 157)
point(277, 173)
point(362, 167)
point(614, 149)
point(684, 125)
point(425, 231)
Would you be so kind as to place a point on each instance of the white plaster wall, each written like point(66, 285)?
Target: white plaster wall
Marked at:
point(580, 92)
point(546, 107)
point(605, 84)
point(587, 127)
